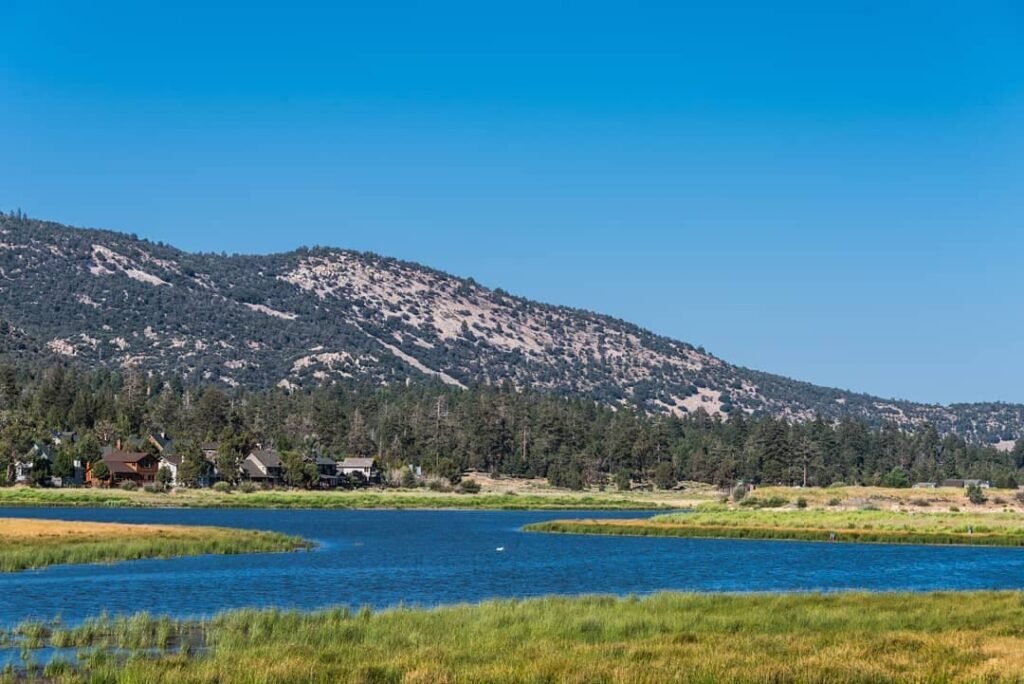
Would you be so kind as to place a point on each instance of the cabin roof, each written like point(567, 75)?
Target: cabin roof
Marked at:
point(358, 463)
point(250, 470)
point(115, 456)
point(173, 459)
point(268, 457)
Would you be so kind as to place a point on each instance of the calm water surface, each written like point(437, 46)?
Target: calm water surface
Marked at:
point(381, 558)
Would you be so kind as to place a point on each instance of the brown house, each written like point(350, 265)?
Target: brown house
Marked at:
point(125, 466)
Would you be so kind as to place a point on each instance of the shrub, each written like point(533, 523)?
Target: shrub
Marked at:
point(623, 480)
point(449, 470)
point(100, 471)
point(408, 479)
point(834, 501)
point(773, 502)
point(739, 492)
point(154, 489)
point(954, 509)
point(129, 486)
point(665, 476)
point(439, 486)
point(566, 477)
point(801, 502)
point(469, 487)
point(920, 502)
point(975, 494)
point(247, 488)
point(221, 487)
point(164, 478)
point(896, 478)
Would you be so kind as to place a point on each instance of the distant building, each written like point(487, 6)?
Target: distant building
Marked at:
point(923, 485)
point(167, 458)
point(327, 468)
point(264, 466)
point(59, 437)
point(360, 467)
point(40, 453)
point(126, 466)
point(210, 451)
point(172, 462)
point(161, 442)
point(984, 484)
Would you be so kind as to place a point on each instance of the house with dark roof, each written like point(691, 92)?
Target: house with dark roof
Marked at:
point(328, 470)
point(125, 466)
point(166, 455)
point(161, 441)
point(131, 443)
point(263, 466)
point(59, 437)
point(40, 456)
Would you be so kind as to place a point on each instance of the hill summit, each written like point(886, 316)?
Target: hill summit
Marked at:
point(310, 316)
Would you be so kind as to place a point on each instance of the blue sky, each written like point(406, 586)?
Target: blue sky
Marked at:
point(823, 191)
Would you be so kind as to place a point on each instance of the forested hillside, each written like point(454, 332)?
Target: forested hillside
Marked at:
point(97, 299)
point(572, 442)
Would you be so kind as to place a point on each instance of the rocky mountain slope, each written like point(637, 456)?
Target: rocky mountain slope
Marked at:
point(294, 320)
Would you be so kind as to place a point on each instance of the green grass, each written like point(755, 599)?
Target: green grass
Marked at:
point(841, 638)
point(981, 529)
point(27, 544)
point(22, 496)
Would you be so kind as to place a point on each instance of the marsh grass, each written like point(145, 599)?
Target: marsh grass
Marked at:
point(207, 498)
point(872, 526)
point(842, 638)
point(26, 544)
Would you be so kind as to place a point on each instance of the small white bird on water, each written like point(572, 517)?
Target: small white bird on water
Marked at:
point(500, 549)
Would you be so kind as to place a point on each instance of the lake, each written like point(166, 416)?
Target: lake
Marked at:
point(382, 558)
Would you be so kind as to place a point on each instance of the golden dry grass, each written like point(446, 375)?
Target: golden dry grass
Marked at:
point(12, 529)
point(893, 499)
point(28, 543)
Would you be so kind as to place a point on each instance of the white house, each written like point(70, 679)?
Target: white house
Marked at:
point(363, 467)
point(172, 462)
point(23, 465)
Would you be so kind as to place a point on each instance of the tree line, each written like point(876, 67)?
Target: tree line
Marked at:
point(572, 442)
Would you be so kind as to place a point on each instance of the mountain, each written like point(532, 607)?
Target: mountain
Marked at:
point(105, 299)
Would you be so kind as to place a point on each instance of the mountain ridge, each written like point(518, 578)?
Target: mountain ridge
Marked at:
point(297, 319)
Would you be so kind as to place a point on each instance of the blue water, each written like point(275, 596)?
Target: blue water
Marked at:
point(382, 558)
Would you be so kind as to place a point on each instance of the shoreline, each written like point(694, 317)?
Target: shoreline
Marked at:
point(311, 500)
point(811, 525)
point(585, 527)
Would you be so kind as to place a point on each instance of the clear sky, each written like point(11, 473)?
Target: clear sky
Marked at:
point(831, 191)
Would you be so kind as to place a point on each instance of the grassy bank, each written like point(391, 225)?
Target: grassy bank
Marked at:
point(841, 638)
point(26, 544)
point(890, 498)
point(364, 499)
point(983, 529)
